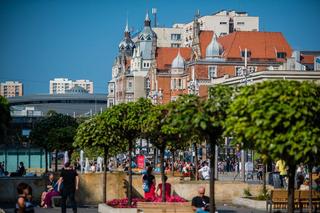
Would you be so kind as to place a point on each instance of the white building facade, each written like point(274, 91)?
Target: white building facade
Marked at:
point(222, 23)
point(63, 85)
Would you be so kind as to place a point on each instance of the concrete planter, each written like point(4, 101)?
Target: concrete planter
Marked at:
point(255, 204)
point(104, 208)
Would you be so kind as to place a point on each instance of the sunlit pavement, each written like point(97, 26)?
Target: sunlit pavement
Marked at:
point(222, 209)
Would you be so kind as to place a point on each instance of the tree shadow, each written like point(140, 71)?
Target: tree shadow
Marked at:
point(135, 193)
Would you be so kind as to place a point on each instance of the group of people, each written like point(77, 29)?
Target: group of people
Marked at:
point(302, 179)
point(151, 192)
point(66, 186)
point(200, 203)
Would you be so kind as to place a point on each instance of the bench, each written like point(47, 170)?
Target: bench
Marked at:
point(37, 171)
point(161, 207)
point(279, 200)
point(54, 199)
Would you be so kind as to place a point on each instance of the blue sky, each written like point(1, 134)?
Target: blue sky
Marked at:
point(77, 39)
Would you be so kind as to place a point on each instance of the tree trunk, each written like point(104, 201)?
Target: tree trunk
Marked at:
point(130, 174)
point(196, 161)
point(46, 160)
point(310, 188)
point(56, 162)
point(163, 190)
point(264, 171)
point(291, 176)
point(173, 160)
point(212, 176)
point(104, 191)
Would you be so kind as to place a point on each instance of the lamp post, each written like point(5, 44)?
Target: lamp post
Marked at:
point(245, 80)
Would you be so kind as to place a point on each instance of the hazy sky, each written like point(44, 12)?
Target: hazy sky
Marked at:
point(78, 39)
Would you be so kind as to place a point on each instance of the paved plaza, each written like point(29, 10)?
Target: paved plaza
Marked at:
point(92, 209)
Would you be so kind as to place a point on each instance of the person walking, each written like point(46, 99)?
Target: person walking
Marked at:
point(70, 179)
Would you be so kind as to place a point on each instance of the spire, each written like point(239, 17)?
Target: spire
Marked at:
point(147, 20)
point(126, 30)
point(147, 17)
point(127, 26)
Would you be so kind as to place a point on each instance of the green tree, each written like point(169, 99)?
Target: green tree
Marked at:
point(4, 118)
point(280, 120)
point(99, 134)
point(57, 126)
point(204, 118)
point(61, 139)
point(127, 118)
point(157, 128)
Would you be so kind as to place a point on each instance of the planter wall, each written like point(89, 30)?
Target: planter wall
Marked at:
point(104, 208)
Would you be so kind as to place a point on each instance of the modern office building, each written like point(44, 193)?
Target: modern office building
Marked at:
point(27, 110)
point(63, 85)
point(11, 89)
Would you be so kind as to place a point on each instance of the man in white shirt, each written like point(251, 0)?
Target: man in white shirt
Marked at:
point(205, 171)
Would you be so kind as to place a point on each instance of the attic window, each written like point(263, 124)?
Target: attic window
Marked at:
point(243, 53)
point(281, 55)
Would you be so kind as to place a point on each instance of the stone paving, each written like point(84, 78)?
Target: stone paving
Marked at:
point(221, 209)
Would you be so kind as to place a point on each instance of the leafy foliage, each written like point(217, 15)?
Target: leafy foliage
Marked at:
point(279, 119)
point(55, 131)
point(4, 117)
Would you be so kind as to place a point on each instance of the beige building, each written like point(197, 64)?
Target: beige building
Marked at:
point(63, 85)
point(169, 36)
point(11, 89)
point(222, 23)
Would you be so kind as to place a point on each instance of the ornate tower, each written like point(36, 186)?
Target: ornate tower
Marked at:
point(195, 45)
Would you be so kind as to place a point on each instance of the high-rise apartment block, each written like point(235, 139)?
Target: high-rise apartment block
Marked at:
point(63, 85)
point(11, 89)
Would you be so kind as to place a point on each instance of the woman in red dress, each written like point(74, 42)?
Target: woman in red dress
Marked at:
point(167, 187)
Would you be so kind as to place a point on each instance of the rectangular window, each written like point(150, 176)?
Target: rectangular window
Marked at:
point(174, 84)
point(243, 53)
point(180, 84)
point(223, 22)
point(129, 85)
point(238, 71)
point(175, 37)
point(175, 45)
point(212, 72)
point(240, 23)
point(281, 55)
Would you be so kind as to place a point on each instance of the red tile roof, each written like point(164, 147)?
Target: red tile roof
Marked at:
point(165, 56)
point(307, 59)
point(205, 39)
point(263, 45)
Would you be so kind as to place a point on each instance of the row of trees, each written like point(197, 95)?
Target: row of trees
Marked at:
point(168, 127)
point(277, 119)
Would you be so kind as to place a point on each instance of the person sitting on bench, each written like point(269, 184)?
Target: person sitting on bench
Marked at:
point(200, 204)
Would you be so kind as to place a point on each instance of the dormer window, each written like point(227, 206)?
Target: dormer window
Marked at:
point(243, 53)
point(281, 54)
